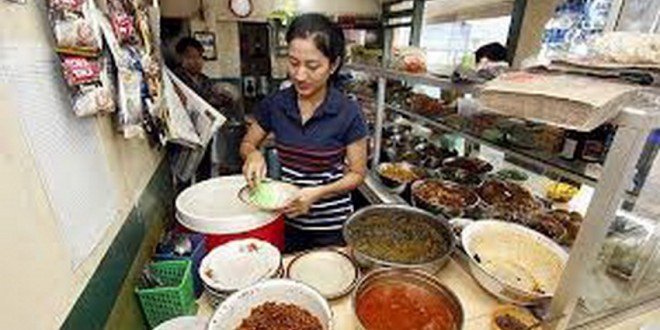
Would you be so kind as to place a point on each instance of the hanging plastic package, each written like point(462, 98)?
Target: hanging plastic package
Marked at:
point(80, 70)
point(91, 100)
point(78, 43)
point(75, 30)
point(180, 129)
point(68, 5)
point(130, 103)
point(97, 97)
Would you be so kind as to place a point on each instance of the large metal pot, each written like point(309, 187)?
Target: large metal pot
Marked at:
point(417, 278)
point(368, 262)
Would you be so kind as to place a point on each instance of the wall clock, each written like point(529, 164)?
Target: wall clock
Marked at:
point(240, 8)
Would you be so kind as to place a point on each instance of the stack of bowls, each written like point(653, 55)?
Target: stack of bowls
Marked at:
point(236, 265)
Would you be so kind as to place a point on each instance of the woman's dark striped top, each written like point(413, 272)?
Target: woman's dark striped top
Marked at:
point(308, 168)
point(314, 153)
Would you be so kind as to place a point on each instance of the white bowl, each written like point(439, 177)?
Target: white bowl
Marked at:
point(239, 305)
point(513, 262)
point(184, 323)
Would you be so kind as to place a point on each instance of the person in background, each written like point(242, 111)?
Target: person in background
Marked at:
point(492, 52)
point(320, 136)
point(191, 65)
point(491, 60)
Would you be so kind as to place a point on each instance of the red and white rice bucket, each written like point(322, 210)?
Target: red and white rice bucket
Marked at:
point(212, 207)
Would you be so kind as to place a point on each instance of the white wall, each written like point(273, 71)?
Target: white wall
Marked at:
point(340, 7)
point(177, 8)
point(225, 25)
point(38, 285)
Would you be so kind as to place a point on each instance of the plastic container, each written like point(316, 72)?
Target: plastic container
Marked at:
point(198, 252)
point(212, 207)
point(175, 299)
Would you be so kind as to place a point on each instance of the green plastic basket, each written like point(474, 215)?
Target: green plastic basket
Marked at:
point(176, 298)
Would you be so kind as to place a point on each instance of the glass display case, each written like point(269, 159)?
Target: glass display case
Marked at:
point(614, 254)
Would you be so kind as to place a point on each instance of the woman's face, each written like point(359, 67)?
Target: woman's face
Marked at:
point(309, 69)
point(192, 60)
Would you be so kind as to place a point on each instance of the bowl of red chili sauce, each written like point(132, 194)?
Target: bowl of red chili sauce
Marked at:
point(395, 299)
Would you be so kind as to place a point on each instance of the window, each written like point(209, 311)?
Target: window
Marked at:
point(446, 43)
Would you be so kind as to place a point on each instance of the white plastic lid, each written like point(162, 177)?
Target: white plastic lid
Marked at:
point(213, 207)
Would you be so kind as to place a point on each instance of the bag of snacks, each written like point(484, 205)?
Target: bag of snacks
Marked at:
point(74, 27)
point(409, 59)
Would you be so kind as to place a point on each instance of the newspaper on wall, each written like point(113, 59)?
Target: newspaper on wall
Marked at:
point(206, 121)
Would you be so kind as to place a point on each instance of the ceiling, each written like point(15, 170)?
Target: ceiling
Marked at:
point(453, 10)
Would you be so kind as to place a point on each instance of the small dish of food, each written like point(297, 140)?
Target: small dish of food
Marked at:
point(507, 200)
point(268, 195)
point(512, 317)
point(511, 174)
point(443, 197)
point(470, 164)
point(395, 175)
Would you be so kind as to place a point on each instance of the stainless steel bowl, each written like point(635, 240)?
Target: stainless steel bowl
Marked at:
point(498, 286)
point(415, 277)
point(368, 262)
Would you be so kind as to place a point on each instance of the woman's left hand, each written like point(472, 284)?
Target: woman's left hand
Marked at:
point(301, 203)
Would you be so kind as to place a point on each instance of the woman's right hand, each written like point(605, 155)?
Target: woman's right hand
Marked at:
point(254, 168)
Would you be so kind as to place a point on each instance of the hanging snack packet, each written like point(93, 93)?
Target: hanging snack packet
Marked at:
point(76, 32)
point(130, 113)
point(93, 99)
point(80, 70)
point(123, 26)
point(67, 5)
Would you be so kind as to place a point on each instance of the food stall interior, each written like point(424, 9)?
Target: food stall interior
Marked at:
point(511, 177)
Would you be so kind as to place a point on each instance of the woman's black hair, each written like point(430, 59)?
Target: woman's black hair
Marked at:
point(187, 42)
point(327, 36)
point(492, 51)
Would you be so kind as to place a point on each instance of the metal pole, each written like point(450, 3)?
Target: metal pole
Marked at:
point(380, 118)
point(380, 98)
point(417, 21)
point(616, 176)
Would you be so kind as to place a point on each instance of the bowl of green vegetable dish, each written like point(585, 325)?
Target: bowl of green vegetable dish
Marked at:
point(268, 195)
point(399, 236)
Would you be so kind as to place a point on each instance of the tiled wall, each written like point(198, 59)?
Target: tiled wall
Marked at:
point(108, 300)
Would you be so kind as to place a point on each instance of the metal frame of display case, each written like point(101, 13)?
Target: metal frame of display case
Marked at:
point(634, 127)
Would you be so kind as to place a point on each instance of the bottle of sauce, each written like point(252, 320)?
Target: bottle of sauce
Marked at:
point(597, 143)
point(573, 144)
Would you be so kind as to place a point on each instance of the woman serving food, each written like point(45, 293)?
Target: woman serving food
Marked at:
point(320, 136)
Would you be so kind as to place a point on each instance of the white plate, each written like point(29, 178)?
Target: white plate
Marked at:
point(238, 264)
point(330, 272)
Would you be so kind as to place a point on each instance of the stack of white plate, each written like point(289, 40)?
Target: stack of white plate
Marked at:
point(237, 265)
